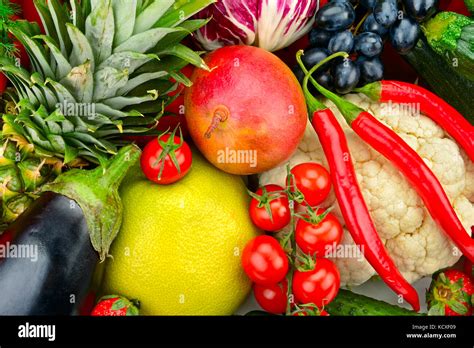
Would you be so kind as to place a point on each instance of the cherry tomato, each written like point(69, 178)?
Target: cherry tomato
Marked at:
point(3, 83)
point(30, 13)
point(157, 159)
point(272, 298)
point(313, 181)
point(319, 286)
point(275, 203)
point(264, 260)
point(318, 238)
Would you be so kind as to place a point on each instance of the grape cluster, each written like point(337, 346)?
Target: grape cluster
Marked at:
point(360, 28)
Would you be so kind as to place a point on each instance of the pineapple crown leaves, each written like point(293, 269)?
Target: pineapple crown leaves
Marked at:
point(115, 56)
point(96, 193)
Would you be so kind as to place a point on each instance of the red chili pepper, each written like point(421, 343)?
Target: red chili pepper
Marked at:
point(430, 104)
point(391, 146)
point(353, 207)
point(351, 201)
point(397, 151)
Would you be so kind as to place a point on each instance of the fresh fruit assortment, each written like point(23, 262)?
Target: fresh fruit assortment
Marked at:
point(234, 142)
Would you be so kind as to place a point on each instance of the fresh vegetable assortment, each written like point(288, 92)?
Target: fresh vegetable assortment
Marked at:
point(295, 183)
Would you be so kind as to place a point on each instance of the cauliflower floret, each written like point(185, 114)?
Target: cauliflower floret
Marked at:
point(414, 241)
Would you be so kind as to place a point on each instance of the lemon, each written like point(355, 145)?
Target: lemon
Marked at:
point(179, 247)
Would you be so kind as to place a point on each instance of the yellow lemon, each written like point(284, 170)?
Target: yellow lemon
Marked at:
point(179, 248)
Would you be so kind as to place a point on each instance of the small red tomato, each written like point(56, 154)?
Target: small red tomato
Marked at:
point(319, 286)
point(313, 181)
point(272, 298)
point(114, 305)
point(264, 260)
point(3, 83)
point(318, 236)
point(166, 159)
point(269, 209)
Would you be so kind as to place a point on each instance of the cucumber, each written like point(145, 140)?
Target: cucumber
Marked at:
point(451, 35)
point(445, 81)
point(348, 303)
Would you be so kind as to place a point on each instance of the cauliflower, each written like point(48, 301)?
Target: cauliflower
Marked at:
point(413, 240)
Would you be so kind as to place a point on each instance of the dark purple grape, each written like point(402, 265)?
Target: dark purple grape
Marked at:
point(313, 56)
point(420, 9)
point(341, 42)
point(335, 16)
point(319, 37)
point(325, 80)
point(368, 4)
point(371, 25)
point(386, 12)
point(404, 34)
point(368, 44)
point(371, 69)
point(346, 76)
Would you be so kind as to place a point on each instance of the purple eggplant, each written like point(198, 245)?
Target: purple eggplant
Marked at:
point(59, 240)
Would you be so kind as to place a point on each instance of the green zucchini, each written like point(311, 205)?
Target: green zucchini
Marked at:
point(451, 35)
point(443, 79)
point(348, 303)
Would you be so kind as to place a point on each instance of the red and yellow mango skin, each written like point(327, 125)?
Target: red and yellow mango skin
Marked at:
point(249, 101)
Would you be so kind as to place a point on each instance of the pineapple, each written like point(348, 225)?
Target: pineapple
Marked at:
point(101, 72)
point(21, 175)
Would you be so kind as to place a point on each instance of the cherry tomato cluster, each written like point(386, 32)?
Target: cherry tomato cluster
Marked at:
point(290, 272)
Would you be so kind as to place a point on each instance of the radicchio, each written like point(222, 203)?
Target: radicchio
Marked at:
point(269, 24)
